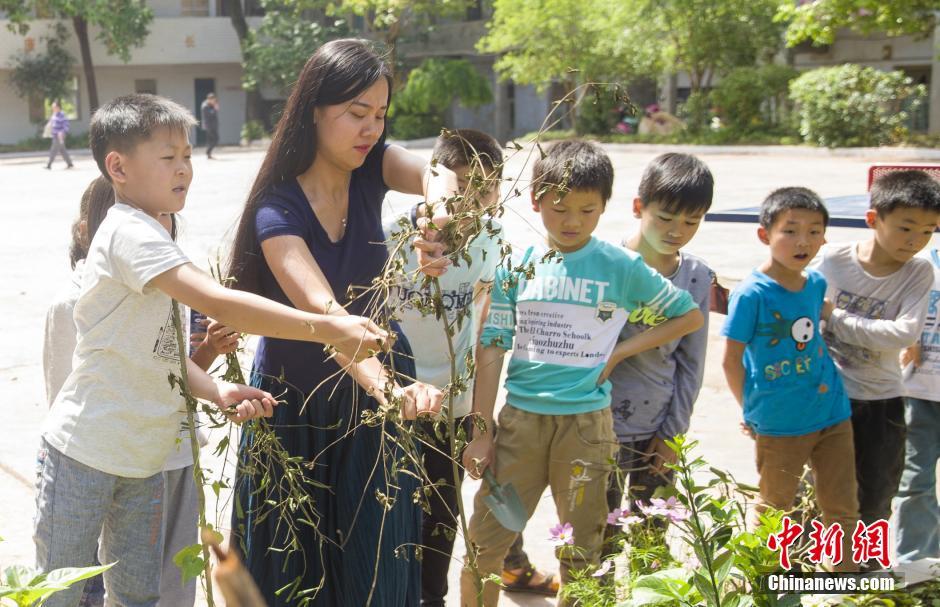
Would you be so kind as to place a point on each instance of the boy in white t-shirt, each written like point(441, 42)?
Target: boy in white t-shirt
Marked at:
point(115, 420)
point(477, 159)
point(916, 508)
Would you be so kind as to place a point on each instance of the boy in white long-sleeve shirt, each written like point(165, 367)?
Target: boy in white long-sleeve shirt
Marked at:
point(874, 308)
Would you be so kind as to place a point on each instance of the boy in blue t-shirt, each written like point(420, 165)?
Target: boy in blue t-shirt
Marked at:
point(780, 371)
point(560, 312)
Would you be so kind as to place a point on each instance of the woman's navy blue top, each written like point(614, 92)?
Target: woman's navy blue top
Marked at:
point(349, 265)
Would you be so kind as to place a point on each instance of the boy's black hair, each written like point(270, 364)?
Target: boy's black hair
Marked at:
point(906, 190)
point(573, 164)
point(459, 147)
point(784, 199)
point(679, 183)
point(123, 122)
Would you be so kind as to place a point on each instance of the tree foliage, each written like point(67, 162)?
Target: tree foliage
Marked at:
point(708, 37)
point(392, 18)
point(122, 25)
point(570, 41)
point(44, 75)
point(818, 21)
point(851, 105)
point(276, 51)
point(418, 109)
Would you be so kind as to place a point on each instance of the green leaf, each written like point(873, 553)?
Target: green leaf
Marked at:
point(190, 562)
point(26, 586)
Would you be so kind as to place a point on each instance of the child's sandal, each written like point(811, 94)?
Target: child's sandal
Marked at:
point(522, 582)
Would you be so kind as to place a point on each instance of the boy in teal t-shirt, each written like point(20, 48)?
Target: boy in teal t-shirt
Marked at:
point(561, 320)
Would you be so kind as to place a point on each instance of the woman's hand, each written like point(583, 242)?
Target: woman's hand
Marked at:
point(357, 337)
point(219, 338)
point(242, 403)
point(420, 399)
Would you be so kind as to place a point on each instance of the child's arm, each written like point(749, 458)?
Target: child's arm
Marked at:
point(481, 452)
point(733, 364)
point(355, 336)
point(217, 340)
point(672, 329)
point(881, 334)
point(687, 382)
point(240, 402)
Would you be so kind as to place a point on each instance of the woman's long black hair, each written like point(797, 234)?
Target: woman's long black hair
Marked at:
point(338, 72)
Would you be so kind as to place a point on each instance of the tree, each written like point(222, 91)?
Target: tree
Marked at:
point(418, 109)
point(44, 75)
point(288, 35)
point(571, 42)
point(393, 18)
point(818, 21)
point(122, 24)
point(708, 37)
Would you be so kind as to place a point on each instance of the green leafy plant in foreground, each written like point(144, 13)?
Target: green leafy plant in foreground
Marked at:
point(27, 587)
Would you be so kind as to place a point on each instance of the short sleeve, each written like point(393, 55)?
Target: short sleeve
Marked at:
point(500, 326)
point(491, 254)
point(140, 251)
point(649, 287)
point(277, 216)
point(742, 316)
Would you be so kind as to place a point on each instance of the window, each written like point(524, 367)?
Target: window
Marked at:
point(475, 11)
point(194, 8)
point(147, 85)
point(251, 8)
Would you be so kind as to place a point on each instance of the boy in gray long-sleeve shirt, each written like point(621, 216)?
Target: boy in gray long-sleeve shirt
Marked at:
point(875, 306)
point(652, 393)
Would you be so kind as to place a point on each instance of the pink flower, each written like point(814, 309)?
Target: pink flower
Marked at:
point(629, 521)
point(603, 569)
point(614, 515)
point(669, 508)
point(561, 534)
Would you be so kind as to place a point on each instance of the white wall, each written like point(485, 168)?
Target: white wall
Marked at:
point(176, 83)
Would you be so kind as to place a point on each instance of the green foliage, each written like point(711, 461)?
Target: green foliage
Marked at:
point(388, 14)
point(696, 111)
point(572, 41)
point(818, 21)
point(754, 98)
point(252, 130)
point(417, 110)
point(600, 110)
point(47, 75)
point(707, 37)
point(27, 587)
point(851, 105)
point(122, 24)
point(275, 52)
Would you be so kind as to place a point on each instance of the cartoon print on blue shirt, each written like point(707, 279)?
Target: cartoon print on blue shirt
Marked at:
point(799, 330)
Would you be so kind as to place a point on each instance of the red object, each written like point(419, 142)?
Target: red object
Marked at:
point(877, 170)
point(827, 543)
point(871, 542)
point(783, 540)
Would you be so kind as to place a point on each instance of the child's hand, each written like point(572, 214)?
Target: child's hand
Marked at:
point(242, 403)
point(827, 309)
point(480, 454)
point(220, 338)
point(357, 337)
point(911, 355)
point(748, 431)
point(605, 372)
point(431, 259)
point(420, 399)
point(658, 454)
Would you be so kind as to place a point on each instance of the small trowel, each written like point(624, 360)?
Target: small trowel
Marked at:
point(504, 503)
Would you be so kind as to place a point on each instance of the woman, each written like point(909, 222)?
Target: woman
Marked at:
point(58, 126)
point(311, 236)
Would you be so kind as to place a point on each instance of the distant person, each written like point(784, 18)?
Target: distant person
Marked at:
point(210, 122)
point(59, 126)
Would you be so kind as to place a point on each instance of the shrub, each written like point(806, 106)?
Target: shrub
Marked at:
point(600, 110)
point(696, 111)
point(252, 130)
point(851, 105)
point(753, 99)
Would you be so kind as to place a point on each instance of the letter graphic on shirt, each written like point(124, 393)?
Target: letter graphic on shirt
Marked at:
point(849, 355)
